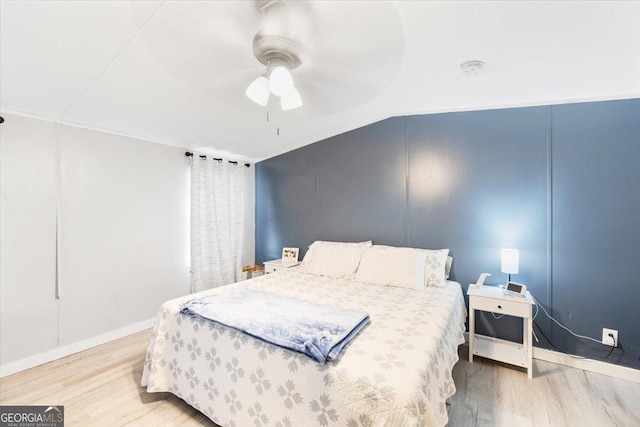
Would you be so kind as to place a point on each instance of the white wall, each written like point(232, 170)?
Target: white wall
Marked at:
point(27, 238)
point(123, 233)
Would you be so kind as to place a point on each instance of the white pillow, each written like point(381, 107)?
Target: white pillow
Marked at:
point(333, 259)
point(435, 267)
point(391, 266)
point(447, 267)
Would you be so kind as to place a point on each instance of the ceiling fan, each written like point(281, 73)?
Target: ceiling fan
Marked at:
point(333, 62)
point(275, 47)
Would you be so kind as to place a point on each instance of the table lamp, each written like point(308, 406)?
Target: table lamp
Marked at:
point(510, 262)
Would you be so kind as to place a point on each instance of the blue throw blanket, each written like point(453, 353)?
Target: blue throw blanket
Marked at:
point(319, 331)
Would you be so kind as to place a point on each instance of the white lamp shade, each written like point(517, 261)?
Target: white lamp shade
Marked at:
point(510, 261)
point(291, 100)
point(280, 81)
point(258, 91)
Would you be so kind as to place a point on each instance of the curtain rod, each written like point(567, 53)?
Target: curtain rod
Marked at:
point(219, 160)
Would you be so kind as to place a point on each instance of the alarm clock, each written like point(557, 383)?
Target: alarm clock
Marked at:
point(516, 288)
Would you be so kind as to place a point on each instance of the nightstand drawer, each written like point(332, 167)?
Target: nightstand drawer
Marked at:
point(276, 265)
point(269, 268)
point(502, 306)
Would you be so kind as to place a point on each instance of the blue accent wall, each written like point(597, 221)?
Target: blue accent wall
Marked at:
point(559, 183)
point(596, 224)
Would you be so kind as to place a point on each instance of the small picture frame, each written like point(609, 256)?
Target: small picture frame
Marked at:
point(290, 255)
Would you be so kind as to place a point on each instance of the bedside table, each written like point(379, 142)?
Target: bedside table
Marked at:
point(277, 264)
point(253, 270)
point(493, 299)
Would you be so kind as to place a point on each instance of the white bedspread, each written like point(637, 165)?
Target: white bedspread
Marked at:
point(396, 372)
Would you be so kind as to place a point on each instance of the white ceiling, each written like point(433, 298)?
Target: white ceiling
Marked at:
point(175, 71)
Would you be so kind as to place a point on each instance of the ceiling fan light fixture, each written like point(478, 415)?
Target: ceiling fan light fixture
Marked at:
point(280, 81)
point(258, 91)
point(279, 53)
point(291, 100)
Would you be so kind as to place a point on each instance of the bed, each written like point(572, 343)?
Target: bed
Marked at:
point(396, 372)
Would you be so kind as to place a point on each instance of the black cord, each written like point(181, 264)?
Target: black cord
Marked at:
point(610, 351)
point(562, 351)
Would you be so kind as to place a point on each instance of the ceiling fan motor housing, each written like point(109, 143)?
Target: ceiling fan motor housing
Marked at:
point(273, 50)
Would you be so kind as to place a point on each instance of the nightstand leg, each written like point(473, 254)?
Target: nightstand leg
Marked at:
point(472, 328)
point(529, 331)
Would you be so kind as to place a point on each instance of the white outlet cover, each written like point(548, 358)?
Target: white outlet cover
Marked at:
point(606, 339)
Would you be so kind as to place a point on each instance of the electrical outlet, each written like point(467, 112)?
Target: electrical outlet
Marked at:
point(607, 340)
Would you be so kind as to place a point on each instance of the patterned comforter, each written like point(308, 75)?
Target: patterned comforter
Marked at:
point(396, 372)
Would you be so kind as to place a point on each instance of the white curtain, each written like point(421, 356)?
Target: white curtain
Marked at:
point(217, 218)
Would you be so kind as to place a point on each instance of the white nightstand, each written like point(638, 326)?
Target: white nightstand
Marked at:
point(277, 264)
point(493, 299)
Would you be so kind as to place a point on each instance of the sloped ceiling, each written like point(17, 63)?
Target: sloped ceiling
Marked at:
point(175, 72)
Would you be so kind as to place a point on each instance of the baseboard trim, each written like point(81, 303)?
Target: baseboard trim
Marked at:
point(67, 350)
point(590, 365)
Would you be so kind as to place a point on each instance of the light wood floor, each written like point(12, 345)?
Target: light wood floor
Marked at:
point(493, 394)
point(101, 387)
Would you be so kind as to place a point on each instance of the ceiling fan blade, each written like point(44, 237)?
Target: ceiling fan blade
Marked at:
point(345, 64)
point(203, 43)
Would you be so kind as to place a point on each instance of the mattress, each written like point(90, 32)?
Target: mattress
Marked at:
point(396, 372)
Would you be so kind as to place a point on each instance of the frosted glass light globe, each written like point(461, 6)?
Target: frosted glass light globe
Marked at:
point(291, 100)
point(258, 91)
point(280, 81)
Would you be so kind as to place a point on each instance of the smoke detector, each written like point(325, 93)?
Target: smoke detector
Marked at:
point(472, 68)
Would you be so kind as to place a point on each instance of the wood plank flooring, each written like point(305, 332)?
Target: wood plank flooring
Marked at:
point(493, 394)
point(101, 387)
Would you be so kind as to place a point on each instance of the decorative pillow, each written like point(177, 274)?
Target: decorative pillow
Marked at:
point(392, 266)
point(435, 269)
point(447, 267)
point(333, 259)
